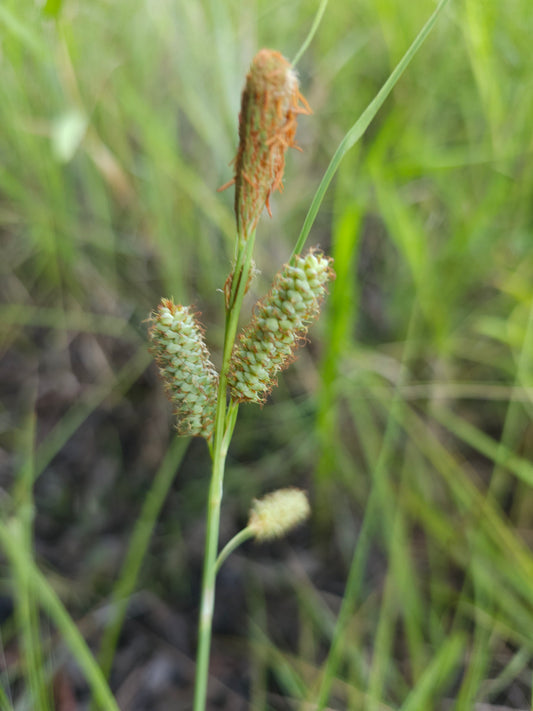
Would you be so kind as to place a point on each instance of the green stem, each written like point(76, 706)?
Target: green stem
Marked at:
point(360, 126)
point(28, 623)
point(314, 27)
point(5, 703)
point(377, 501)
point(226, 416)
point(26, 609)
point(232, 544)
point(138, 546)
point(209, 576)
point(55, 609)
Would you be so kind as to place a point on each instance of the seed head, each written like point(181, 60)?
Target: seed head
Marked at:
point(189, 377)
point(279, 325)
point(277, 513)
point(270, 106)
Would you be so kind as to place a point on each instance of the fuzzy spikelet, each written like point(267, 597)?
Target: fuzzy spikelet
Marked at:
point(190, 379)
point(270, 105)
point(277, 513)
point(278, 327)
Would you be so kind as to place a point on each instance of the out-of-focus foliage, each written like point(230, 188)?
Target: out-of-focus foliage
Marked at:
point(409, 418)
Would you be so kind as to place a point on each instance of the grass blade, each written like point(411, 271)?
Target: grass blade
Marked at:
point(50, 602)
point(360, 126)
point(138, 546)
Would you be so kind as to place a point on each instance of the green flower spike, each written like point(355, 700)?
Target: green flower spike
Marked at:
point(277, 513)
point(278, 327)
point(189, 377)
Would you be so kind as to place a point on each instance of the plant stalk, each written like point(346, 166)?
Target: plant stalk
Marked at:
point(237, 540)
point(53, 606)
point(226, 416)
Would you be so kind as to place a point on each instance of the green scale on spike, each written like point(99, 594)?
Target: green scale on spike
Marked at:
point(266, 346)
point(189, 377)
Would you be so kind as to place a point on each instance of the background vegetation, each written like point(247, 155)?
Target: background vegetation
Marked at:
point(409, 417)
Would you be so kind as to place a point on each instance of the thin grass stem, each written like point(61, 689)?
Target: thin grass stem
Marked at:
point(237, 540)
point(26, 610)
point(314, 27)
point(378, 498)
point(360, 126)
point(53, 606)
point(5, 703)
point(137, 549)
point(81, 410)
point(224, 424)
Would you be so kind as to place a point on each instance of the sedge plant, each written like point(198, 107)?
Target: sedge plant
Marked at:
point(205, 401)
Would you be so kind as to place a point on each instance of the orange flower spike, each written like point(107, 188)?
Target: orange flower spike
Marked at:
point(271, 102)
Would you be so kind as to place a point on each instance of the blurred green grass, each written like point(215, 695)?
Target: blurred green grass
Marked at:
point(410, 417)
